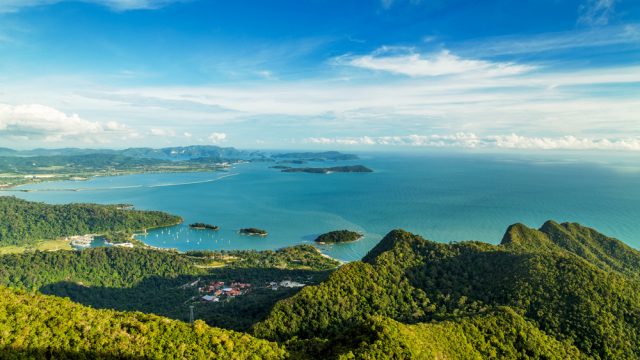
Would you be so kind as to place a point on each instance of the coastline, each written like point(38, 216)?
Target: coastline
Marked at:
point(342, 262)
point(145, 245)
point(80, 177)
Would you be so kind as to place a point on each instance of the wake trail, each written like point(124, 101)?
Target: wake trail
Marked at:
point(127, 186)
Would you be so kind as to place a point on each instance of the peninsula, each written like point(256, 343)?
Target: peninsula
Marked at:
point(36, 225)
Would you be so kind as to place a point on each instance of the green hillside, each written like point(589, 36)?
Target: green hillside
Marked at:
point(27, 222)
point(563, 291)
point(152, 281)
point(500, 334)
point(570, 282)
point(46, 327)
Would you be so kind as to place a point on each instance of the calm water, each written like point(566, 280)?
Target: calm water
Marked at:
point(442, 197)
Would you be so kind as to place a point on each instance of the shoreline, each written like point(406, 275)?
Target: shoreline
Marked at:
point(80, 177)
point(65, 244)
point(137, 236)
point(145, 245)
point(117, 187)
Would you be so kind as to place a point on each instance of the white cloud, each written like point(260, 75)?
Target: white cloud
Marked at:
point(407, 62)
point(217, 137)
point(473, 141)
point(162, 132)
point(583, 102)
point(187, 135)
point(115, 126)
point(117, 5)
point(40, 122)
point(596, 12)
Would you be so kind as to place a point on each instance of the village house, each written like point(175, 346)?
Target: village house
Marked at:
point(216, 289)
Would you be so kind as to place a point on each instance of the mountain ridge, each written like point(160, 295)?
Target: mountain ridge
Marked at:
point(571, 297)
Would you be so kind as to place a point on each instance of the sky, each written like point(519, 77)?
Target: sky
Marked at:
point(321, 74)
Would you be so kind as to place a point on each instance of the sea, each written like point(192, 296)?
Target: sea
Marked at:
point(441, 196)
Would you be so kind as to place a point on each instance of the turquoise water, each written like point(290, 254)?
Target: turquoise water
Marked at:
point(443, 197)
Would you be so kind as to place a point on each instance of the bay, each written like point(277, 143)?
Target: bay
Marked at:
point(441, 196)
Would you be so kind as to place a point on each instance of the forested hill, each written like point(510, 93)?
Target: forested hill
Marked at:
point(25, 222)
point(562, 291)
point(47, 327)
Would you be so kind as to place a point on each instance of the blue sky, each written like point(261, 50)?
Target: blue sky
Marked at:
point(543, 74)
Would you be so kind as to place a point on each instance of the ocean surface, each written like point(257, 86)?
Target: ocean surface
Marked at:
point(443, 197)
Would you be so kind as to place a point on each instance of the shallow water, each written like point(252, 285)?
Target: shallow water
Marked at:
point(443, 197)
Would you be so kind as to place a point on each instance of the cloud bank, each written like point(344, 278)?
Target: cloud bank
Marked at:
point(473, 141)
point(39, 122)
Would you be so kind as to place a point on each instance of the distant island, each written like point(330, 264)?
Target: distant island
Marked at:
point(280, 167)
point(338, 236)
point(21, 167)
point(253, 232)
point(203, 226)
point(328, 170)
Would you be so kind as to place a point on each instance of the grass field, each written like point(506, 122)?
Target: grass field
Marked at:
point(49, 245)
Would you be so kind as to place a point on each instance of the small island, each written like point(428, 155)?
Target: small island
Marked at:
point(253, 232)
point(203, 226)
point(335, 169)
point(338, 236)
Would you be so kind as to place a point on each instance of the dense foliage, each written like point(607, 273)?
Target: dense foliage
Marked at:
point(152, 280)
point(107, 266)
point(39, 326)
point(570, 282)
point(253, 231)
point(562, 291)
point(499, 334)
point(304, 257)
point(26, 222)
point(169, 297)
point(200, 225)
point(338, 236)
